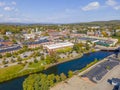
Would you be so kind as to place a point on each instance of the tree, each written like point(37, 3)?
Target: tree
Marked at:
point(19, 58)
point(35, 61)
point(48, 59)
point(12, 60)
point(105, 34)
point(42, 57)
point(14, 41)
point(70, 74)
point(108, 67)
point(76, 48)
point(87, 46)
point(57, 78)
point(63, 76)
point(8, 54)
point(0, 55)
point(6, 38)
point(5, 62)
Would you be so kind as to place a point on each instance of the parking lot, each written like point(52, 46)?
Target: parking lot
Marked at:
point(78, 83)
point(96, 74)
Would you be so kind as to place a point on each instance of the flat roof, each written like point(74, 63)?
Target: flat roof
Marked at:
point(59, 45)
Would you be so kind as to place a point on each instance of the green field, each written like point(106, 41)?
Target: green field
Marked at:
point(9, 72)
point(117, 37)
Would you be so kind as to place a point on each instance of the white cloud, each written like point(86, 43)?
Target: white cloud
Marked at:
point(13, 3)
point(1, 15)
point(2, 4)
point(114, 4)
point(111, 2)
point(7, 8)
point(91, 6)
point(117, 7)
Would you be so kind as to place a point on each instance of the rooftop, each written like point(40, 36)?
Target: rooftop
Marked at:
point(59, 45)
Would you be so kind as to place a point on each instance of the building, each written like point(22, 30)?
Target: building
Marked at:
point(56, 46)
point(116, 83)
point(10, 49)
point(6, 42)
point(77, 35)
point(94, 27)
point(37, 43)
point(8, 33)
point(29, 36)
point(90, 33)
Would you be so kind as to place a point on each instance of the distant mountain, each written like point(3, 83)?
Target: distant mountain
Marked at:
point(91, 23)
point(106, 22)
point(15, 23)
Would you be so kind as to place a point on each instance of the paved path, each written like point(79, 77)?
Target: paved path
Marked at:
point(26, 66)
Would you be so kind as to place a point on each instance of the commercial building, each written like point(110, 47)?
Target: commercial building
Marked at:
point(28, 36)
point(37, 43)
point(6, 42)
point(9, 49)
point(56, 46)
point(99, 41)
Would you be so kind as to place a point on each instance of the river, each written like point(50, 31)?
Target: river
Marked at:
point(77, 64)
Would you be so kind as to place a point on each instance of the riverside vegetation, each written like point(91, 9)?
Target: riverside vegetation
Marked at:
point(45, 82)
point(11, 72)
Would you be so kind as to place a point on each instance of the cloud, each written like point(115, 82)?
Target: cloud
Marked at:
point(7, 8)
point(1, 15)
point(114, 4)
point(2, 4)
point(117, 7)
point(13, 3)
point(111, 2)
point(91, 6)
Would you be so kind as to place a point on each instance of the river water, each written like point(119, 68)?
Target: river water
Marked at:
point(77, 64)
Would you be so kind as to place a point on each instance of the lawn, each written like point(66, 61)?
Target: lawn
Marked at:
point(36, 65)
point(117, 37)
point(9, 72)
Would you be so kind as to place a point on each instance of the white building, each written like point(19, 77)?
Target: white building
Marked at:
point(56, 46)
point(8, 33)
point(28, 36)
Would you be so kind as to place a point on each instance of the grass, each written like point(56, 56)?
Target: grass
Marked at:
point(89, 65)
point(35, 65)
point(10, 70)
point(116, 37)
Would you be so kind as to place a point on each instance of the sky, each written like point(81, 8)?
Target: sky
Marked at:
point(58, 11)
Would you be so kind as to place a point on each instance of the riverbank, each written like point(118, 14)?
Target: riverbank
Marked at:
point(77, 64)
point(70, 59)
point(6, 77)
point(91, 67)
point(66, 60)
point(76, 82)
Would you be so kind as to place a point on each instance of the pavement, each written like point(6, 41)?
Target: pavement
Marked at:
point(78, 83)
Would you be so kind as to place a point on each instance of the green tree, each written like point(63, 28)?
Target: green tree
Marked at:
point(0, 55)
point(35, 61)
point(5, 62)
point(70, 74)
point(8, 54)
point(19, 58)
point(63, 76)
point(57, 77)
